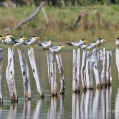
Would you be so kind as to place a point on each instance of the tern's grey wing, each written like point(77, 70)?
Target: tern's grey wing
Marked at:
point(54, 47)
point(28, 41)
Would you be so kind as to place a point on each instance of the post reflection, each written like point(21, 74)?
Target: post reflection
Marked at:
point(61, 108)
point(92, 105)
point(97, 104)
point(75, 106)
point(38, 110)
point(116, 110)
point(52, 111)
point(12, 111)
point(26, 110)
point(106, 102)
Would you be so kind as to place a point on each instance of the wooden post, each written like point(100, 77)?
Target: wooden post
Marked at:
point(1, 57)
point(10, 75)
point(103, 74)
point(83, 70)
point(48, 64)
point(53, 74)
point(25, 73)
point(96, 67)
point(74, 81)
point(61, 72)
point(35, 70)
point(109, 58)
point(117, 60)
point(88, 72)
point(78, 70)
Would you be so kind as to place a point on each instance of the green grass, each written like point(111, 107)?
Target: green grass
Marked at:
point(61, 22)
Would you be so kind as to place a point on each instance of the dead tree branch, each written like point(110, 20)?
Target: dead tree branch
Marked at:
point(30, 17)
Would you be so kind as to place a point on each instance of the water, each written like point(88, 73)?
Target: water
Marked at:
point(93, 104)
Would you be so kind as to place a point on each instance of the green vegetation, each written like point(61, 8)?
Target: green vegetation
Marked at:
point(96, 21)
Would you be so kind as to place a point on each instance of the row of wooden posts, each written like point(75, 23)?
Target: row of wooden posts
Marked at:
point(84, 71)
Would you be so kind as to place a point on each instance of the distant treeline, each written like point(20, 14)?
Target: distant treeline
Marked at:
point(63, 2)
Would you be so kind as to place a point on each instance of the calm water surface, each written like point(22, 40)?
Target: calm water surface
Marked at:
point(93, 104)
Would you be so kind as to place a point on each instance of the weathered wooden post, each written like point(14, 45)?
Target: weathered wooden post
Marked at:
point(48, 64)
point(89, 67)
point(52, 67)
point(10, 75)
point(83, 70)
point(76, 70)
point(103, 74)
point(108, 75)
point(25, 73)
point(96, 68)
point(74, 82)
point(35, 71)
point(1, 57)
point(117, 60)
point(61, 72)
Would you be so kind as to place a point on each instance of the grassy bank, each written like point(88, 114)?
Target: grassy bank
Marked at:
point(96, 21)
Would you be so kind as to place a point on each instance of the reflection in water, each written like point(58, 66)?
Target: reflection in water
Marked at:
point(87, 105)
point(12, 111)
point(92, 107)
point(75, 106)
point(106, 102)
point(116, 111)
point(26, 110)
point(97, 104)
point(38, 109)
point(52, 111)
point(61, 108)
